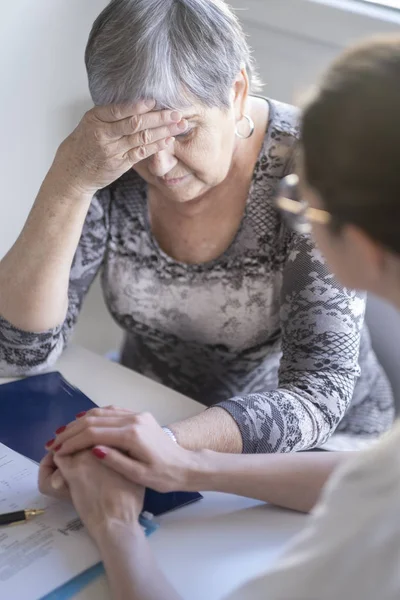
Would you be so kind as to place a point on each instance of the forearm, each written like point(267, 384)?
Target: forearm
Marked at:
point(292, 481)
point(132, 571)
point(213, 429)
point(34, 275)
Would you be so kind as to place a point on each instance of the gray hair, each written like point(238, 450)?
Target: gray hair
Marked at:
point(171, 51)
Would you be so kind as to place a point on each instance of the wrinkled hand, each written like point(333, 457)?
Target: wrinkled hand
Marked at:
point(109, 140)
point(100, 496)
point(131, 444)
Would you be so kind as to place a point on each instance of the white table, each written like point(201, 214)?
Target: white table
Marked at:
point(206, 549)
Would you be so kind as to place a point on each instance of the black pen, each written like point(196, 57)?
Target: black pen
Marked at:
point(21, 516)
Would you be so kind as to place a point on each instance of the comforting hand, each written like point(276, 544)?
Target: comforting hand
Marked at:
point(132, 444)
point(101, 497)
point(109, 140)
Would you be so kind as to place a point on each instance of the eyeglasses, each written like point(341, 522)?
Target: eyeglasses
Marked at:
point(296, 212)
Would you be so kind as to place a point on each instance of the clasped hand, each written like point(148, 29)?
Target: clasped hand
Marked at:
point(108, 455)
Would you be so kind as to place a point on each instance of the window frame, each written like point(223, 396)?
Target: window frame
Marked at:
point(336, 23)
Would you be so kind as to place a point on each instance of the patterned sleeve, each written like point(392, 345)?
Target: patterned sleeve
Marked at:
point(28, 353)
point(321, 330)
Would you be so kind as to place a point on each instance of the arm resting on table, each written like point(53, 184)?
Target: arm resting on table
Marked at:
point(292, 481)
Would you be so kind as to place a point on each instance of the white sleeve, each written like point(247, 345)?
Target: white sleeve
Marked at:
point(351, 547)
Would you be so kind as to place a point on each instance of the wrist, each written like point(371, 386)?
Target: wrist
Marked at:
point(202, 471)
point(66, 188)
point(112, 530)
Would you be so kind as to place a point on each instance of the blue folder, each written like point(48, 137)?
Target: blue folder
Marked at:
point(32, 409)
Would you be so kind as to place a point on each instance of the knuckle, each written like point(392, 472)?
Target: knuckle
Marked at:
point(131, 429)
point(98, 134)
point(144, 137)
point(95, 412)
point(90, 421)
point(91, 434)
point(128, 435)
point(115, 112)
point(136, 123)
point(138, 154)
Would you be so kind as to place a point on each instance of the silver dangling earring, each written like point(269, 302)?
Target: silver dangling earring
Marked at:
point(251, 128)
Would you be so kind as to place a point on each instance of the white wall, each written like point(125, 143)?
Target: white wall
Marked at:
point(44, 90)
point(43, 95)
point(295, 40)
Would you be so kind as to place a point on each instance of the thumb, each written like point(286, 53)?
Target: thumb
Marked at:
point(57, 481)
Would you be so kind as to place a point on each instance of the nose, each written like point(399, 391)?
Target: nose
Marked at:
point(161, 163)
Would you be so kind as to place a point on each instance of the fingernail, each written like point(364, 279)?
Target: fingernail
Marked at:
point(169, 141)
point(57, 482)
point(176, 116)
point(81, 414)
point(56, 449)
point(50, 443)
point(61, 429)
point(150, 103)
point(182, 125)
point(99, 453)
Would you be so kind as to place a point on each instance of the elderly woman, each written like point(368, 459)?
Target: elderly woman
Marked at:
point(350, 549)
point(166, 187)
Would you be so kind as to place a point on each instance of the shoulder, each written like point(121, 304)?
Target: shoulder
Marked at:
point(284, 119)
point(281, 137)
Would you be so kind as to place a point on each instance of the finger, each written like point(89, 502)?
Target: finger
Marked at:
point(140, 122)
point(140, 153)
point(58, 482)
point(120, 463)
point(117, 112)
point(118, 437)
point(47, 468)
point(119, 409)
point(150, 136)
point(85, 423)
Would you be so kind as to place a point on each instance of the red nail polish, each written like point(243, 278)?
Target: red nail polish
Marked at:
point(56, 449)
point(61, 429)
point(99, 453)
point(49, 443)
point(81, 414)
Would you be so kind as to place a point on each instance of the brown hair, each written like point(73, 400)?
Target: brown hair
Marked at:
point(351, 140)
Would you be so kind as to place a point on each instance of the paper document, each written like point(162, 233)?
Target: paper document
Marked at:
point(46, 552)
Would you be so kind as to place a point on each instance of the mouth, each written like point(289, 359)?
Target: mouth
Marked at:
point(173, 181)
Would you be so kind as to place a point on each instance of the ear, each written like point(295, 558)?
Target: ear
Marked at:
point(240, 93)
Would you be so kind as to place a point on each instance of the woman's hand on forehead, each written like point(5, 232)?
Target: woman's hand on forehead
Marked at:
point(111, 139)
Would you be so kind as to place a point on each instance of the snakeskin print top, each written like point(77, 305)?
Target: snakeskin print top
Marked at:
point(265, 331)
